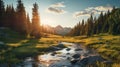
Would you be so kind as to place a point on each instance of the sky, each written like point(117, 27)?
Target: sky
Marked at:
point(66, 13)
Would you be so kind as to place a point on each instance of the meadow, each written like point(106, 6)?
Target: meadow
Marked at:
point(17, 47)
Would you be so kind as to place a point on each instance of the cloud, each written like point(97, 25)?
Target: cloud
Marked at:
point(92, 10)
point(81, 13)
point(103, 9)
point(56, 8)
point(61, 4)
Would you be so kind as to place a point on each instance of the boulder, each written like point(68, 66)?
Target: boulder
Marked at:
point(78, 49)
point(90, 60)
point(60, 45)
point(74, 61)
point(68, 49)
point(84, 61)
point(94, 59)
point(76, 56)
point(2, 43)
point(67, 53)
point(53, 54)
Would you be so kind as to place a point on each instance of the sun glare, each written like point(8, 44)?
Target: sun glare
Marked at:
point(47, 21)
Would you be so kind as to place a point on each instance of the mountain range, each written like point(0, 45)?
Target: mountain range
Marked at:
point(59, 30)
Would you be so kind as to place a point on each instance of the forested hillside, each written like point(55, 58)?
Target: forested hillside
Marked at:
point(106, 23)
point(18, 19)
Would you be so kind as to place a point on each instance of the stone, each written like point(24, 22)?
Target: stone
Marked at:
point(68, 49)
point(2, 43)
point(90, 60)
point(78, 49)
point(74, 61)
point(67, 53)
point(76, 56)
point(53, 54)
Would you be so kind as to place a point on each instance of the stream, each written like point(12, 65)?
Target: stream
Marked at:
point(75, 55)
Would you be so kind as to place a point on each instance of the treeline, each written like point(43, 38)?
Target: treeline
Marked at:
point(47, 29)
point(17, 19)
point(106, 23)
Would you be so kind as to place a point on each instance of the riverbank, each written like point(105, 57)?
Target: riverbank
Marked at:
point(106, 45)
point(73, 56)
point(14, 48)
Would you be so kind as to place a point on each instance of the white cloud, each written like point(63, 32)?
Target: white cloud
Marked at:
point(81, 13)
point(103, 8)
point(92, 10)
point(61, 4)
point(56, 8)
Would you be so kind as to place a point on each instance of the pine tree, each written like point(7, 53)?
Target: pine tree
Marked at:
point(100, 23)
point(105, 23)
point(21, 23)
point(2, 13)
point(89, 28)
point(10, 17)
point(7, 16)
point(82, 28)
point(13, 19)
point(78, 29)
point(35, 22)
point(95, 26)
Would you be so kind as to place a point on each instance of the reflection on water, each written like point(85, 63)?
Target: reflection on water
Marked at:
point(61, 58)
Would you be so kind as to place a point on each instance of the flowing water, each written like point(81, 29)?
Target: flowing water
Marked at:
point(72, 56)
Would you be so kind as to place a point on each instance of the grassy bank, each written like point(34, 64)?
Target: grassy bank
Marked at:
point(17, 47)
point(108, 46)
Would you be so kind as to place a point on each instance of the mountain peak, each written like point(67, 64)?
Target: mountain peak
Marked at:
point(58, 26)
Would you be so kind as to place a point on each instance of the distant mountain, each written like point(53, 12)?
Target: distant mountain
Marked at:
point(56, 30)
point(48, 29)
point(62, 30)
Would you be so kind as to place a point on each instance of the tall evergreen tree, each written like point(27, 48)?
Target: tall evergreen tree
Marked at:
point(21, 24)
point(10, 17)
point(7, 16)
point(89, 30)
point(78, 31)
point(105, 23)
point(35, 22)
point(2, 13)
point(94, 25)
point(100, 22)
point(82, 28)
point(13, 18)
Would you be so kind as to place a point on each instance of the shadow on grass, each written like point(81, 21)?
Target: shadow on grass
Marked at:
point(16, 54)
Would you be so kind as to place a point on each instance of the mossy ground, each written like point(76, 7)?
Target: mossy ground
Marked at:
point(18, 47)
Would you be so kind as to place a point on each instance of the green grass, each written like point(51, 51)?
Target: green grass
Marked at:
point(108, 46)
point(18, 47)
